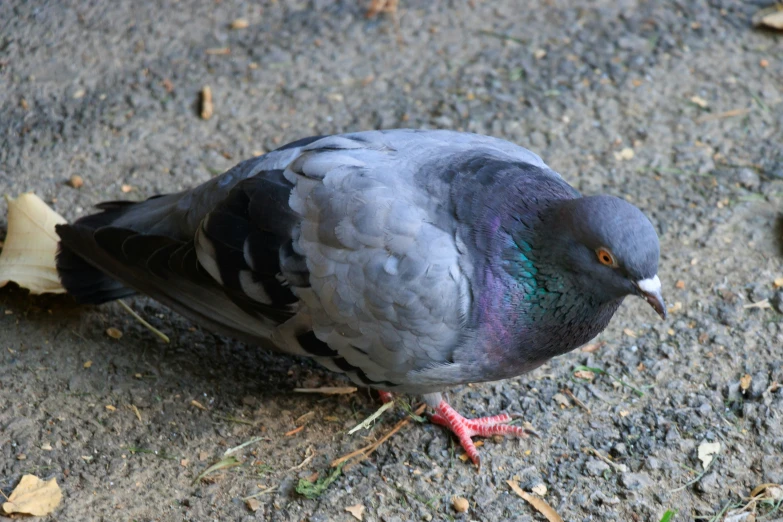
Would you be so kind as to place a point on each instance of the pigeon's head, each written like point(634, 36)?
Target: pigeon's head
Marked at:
point(610, 246)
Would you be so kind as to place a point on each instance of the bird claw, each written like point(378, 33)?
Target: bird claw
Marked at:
point(464, 428)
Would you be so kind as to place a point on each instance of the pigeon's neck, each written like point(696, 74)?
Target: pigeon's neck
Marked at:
point(530, 309)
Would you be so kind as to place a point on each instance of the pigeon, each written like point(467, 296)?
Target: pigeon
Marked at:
point(410, 261)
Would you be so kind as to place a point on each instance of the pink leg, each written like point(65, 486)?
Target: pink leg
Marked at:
point(464, 428)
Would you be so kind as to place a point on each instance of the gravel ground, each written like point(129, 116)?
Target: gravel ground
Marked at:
point(109, 91)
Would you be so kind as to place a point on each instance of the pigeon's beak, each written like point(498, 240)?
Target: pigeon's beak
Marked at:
point(650, 290)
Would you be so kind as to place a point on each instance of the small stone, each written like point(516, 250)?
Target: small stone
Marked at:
point(709, 484)
point(635, 481)
point(652, 463)
point(749, 179)
point(460, 504)
point(252, 504)
point(76, 181)
point(596, 467)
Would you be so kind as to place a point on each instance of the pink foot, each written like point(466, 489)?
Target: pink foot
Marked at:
point(385, 396)
point(464, 428)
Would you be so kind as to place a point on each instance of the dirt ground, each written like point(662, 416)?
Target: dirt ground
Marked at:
point(675, 105)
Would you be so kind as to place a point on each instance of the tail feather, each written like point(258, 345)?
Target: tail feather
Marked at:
point(86, 283)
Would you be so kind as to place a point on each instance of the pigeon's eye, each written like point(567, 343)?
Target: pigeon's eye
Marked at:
point(605, 257)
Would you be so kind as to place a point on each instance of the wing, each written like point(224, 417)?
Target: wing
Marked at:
point(389, 290)
point(344, 248)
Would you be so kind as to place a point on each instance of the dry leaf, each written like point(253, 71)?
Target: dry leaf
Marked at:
point(198, 405)
point(46, 446)
point(707, 452)
point(625, 154)
point(629, 332)
point(87, 364)
point(745, 382)
point(111, 408)
point(240, 23)
point(771, 17)
point(252, 504)
point(680, 284)
point(778, 282)
point(34, 496)
point(357, 511)
point(28, 257)
point(538, 503)
point(114, 333)
point(206, 103)
point(584, 374)
point(460, 504)
point(590, 348)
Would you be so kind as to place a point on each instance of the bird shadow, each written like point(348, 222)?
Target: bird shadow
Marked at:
point(195, 363)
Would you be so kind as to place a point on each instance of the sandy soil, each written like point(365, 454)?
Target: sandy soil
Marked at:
point(109, 91)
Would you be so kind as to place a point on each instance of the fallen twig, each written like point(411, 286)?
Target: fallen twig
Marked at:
point(365, 452)
point(140, 319)
point(244, 445)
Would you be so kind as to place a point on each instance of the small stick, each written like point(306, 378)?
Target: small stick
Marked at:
point(577, 401)
point(243, 445)
point(368, 450)
point(151, 328)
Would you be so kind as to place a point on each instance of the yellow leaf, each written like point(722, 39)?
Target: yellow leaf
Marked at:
point(357, 511)
point(34, 496)
point(28, 257)
point(538, 503)
point(707, 452)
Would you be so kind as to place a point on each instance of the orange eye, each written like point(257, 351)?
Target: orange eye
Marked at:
point(605, 257)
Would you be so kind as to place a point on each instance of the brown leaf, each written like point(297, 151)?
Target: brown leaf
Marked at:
point(28, 256)
point(357, 511)
point(584, 374)
point(745, 381)
point(33, 496)
point(538, 503)
point(198, 405)
point(590, 348)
